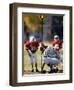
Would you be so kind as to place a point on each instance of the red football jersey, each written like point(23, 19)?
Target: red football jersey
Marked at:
point(58, 44)
point(32, 46)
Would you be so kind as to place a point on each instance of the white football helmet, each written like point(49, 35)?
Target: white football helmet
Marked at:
point(56, 37)
point(32, 39)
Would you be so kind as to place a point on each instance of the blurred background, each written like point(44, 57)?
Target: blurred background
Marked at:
point(43, 27)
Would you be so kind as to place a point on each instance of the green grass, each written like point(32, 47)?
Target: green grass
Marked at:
point(28, 67)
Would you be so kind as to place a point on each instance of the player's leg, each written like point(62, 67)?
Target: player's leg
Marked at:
point(32, 67)
point(54, 69)
point(31, 58)
point(53, 63)
point(43, 66)
point(36, 66)
point(45, 62)
point(43, 71)
point(35, 61)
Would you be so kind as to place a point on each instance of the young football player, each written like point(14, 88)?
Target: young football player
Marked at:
point(51, 58)
point(32, 47)
point(57, 44)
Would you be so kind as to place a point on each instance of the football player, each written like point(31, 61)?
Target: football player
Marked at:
point(51, 58)
point(57, 44)
point(32, 47)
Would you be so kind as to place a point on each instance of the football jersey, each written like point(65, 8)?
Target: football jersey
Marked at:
point(57, 44)
point(32, 46)
point(52, 53)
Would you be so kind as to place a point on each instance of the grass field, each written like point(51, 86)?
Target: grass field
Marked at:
point(28, 67)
